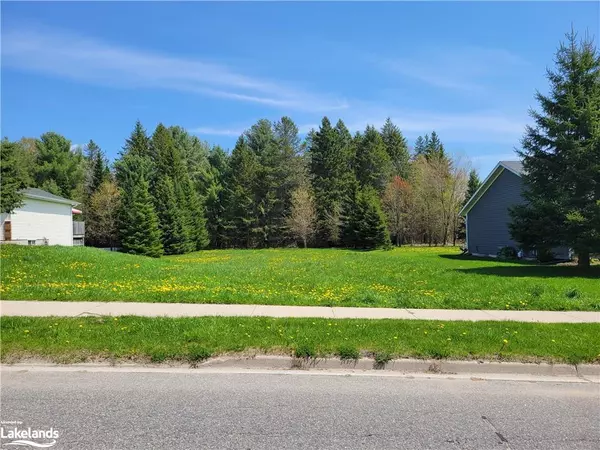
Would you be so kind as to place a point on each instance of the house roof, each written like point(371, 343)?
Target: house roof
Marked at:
point(40, 194)
point(515, 167)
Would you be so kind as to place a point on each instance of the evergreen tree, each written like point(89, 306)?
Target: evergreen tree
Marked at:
point(170, 218)
point(139, 231)
point(11, 180)
point(420, 146)
point(138, 142)
point(216, 197)
point(372, 164)
point(472, 185)
point(174, 213)
point(561, 158)
point(330, 173)
point(262, 142)
point(58, 169)
point(194, 153)
point(242, 221)
point(365, 223)
point(397, 149)
point(96, 169)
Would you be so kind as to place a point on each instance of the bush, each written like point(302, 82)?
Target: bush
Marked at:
point(305, 351)
point(545, 255)
point(507, 253)
point(382, 358)
point(347, 353)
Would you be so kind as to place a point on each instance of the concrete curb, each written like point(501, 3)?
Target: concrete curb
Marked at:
point(268, 363)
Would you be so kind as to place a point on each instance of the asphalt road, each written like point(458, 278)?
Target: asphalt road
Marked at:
point(271, 411)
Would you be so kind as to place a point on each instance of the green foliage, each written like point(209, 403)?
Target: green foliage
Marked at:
point(171, 222)
point(372, 165)
point(138, 142)
point(138, 224)
point(58, 169)
point(397, 149)
point(241, 214)
point(348, 353)
point(11, 180)
point(382, 358)
point(561, 157)
point(507, 253)
point(331, 175)
point(305, 351)
point(365, 223)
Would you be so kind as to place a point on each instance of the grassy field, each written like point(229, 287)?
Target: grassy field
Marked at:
point(190, 339)
point(402, 278)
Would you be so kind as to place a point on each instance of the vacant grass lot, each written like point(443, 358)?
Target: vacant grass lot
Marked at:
point(191, 339)
point(403, 278)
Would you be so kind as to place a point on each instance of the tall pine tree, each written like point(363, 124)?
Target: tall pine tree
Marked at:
point(242, 219)
point(138, 224)
point(330, 173)
point(372, 164)
point(397, 149)
point(561, 158)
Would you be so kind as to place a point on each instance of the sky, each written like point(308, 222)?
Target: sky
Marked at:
point(468, 70)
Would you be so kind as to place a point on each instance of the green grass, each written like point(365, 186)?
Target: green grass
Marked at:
point(194, 339)
point(401, 278)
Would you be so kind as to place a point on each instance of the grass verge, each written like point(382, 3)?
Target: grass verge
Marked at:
point(132, 338)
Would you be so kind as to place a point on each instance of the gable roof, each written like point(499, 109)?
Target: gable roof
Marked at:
point(515, 167)
point(40, 194)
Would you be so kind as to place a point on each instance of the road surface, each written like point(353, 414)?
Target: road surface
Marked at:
point(299, 411)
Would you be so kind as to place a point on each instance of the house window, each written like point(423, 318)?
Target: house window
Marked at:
point(31, 242)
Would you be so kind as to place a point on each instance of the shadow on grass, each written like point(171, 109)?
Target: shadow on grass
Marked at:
point(532, 270)
point(460, 257)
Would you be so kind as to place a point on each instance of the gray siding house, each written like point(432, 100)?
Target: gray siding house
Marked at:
point(486, 213)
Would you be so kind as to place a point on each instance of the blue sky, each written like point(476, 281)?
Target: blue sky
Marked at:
point(467, 70)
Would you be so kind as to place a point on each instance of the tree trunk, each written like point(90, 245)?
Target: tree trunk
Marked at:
point(397, 239)
point(583, 259)
point(304, 240)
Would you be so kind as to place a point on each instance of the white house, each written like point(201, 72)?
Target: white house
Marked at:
point(43, 219)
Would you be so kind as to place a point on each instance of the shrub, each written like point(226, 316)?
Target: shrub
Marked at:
point(305, 351)
point(347, 353)
point(507, 253)
point(545, 255)
point(382, 358)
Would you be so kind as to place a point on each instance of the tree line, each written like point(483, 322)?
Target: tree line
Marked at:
point(171, 193)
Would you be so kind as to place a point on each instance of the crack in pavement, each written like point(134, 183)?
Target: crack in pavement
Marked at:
point(503, 440)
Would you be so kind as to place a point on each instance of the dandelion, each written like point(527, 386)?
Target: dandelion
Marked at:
point(505, 341)
point(553, 340)
point(26, 331)
point(395, 337)
point(80, 326)
point(449, 339)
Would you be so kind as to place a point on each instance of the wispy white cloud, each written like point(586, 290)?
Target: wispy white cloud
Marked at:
point(87, 60)
point(476, 126)
point(212, 131)
point(463, 68)
point(235, 131)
